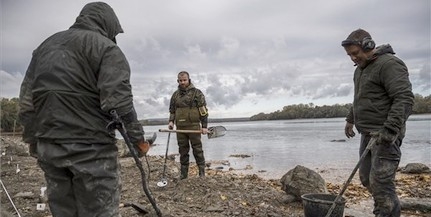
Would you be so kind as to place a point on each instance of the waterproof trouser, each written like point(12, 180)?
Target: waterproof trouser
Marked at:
point(185, 140)
point(82, 179)
point(377, 173)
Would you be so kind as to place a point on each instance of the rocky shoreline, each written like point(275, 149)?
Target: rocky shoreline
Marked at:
point(220, 193)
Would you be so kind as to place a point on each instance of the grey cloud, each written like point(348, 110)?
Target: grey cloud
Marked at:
point(332, 90)
point(236, 51)
point(220, 94)
point(9, 84)
point(424, 80)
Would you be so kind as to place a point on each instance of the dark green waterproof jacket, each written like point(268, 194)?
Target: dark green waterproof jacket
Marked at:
point(188, 108)
point(383, 94)
point(74, 79)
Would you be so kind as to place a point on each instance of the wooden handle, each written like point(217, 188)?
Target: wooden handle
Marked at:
point(180, 131)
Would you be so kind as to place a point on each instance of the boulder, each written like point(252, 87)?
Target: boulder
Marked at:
point(415, 168)
point(301, 180)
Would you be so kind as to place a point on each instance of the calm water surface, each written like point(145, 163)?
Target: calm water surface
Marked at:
point(275, 147)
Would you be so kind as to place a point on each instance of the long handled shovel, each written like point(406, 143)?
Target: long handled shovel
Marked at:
point(213, 132)
point(371, 143)
point(163, 182)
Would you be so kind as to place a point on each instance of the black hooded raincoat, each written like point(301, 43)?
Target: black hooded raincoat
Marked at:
point(74, 79)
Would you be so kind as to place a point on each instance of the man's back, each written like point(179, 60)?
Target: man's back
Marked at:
point(75, 78)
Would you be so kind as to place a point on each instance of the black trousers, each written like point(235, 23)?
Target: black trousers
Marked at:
point(377, 173)
point(82, 179)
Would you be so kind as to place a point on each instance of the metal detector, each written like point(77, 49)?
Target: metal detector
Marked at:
point(163, 182)
point(118, 124)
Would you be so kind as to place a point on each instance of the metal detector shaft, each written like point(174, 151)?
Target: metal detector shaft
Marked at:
point(340, 195)
point(166, 156)
point(163, 182)
point(121, 128)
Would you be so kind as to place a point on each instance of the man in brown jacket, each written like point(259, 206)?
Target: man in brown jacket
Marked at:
point(188, 111)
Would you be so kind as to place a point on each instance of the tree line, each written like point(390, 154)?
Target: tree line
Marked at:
point(303, 111)
point(9, 115)
point(9, 112)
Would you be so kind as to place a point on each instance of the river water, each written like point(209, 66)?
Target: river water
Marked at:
point(275, 147)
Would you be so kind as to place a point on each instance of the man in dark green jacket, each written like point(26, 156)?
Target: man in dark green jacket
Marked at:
point(75, 79)
point(383, 101)
point(189, 112)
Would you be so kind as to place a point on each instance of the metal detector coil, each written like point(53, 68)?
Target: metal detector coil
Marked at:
point(162, 183)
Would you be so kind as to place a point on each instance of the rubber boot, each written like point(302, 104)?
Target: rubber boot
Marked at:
point(201, 170)
point(184, 171)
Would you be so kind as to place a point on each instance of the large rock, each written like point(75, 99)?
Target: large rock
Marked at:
point(301, 180)
point(415, 168)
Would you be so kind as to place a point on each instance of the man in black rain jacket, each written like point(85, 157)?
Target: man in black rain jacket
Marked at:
point(75, 78)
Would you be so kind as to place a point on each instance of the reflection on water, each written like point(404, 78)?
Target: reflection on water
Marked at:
point(278, 146)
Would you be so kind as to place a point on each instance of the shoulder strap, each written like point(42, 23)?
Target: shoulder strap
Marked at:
point(193, 98)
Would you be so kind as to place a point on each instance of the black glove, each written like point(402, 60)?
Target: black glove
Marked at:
point(384, 136)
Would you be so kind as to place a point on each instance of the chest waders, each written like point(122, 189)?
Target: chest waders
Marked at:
point(188, 118)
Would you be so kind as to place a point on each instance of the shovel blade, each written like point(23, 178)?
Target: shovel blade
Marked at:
point(151, 139)
point(217, 131)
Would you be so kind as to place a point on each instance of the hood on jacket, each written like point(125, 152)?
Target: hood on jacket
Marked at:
point(99, 17)
point(380, 50)
point(383, 49)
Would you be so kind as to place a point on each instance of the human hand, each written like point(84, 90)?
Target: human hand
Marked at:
point(171, 125)
point(384, 136)
point(348, 130)
point(142, 148)
point(204, 131)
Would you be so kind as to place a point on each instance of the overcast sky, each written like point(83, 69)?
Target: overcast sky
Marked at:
point(247, 56)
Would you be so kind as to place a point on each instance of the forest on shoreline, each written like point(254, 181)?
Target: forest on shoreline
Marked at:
point(9, 113)
point(304, 111)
